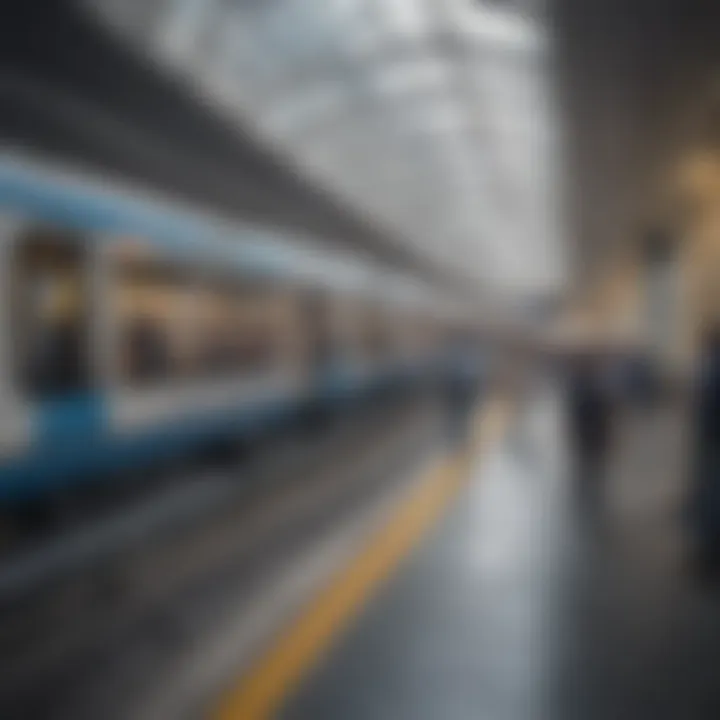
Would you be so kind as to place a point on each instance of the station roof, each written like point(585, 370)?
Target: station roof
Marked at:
point(419, 129)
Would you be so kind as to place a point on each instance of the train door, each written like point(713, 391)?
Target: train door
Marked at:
point(51, 310)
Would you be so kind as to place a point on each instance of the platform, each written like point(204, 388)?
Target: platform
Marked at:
point(523, 603)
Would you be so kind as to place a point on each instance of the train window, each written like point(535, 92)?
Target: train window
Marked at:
point(320, 338)
point(348, 327)
point(174, 326)
point(419, 335)
point(156, 304)
point(50, 306)
point(396, 332)
point(377, 342)
point(217, 352)
point(245, 331)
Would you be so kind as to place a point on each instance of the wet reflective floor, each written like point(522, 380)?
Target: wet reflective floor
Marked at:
point(530, 601)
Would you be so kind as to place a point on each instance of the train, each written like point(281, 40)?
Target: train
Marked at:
point(135, 328)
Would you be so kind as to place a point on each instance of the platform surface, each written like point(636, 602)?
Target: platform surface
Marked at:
point(527, 603)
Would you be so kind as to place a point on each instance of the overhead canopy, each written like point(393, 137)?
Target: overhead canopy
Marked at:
point(76, 94)
point(434, 119)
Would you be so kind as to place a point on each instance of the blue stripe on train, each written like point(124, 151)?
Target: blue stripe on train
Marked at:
point(63, 455)
point(52, 465)
point(63, 419)
point(82, 208)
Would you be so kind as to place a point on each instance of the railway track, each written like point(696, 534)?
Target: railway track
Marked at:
point(90, 622)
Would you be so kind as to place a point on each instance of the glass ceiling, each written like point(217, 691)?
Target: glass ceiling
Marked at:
point(434, 117)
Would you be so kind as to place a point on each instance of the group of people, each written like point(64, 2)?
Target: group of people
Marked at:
point(597, 383)
point(596, 386)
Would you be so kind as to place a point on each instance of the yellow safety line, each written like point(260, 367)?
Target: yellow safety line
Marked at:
point(261, 692)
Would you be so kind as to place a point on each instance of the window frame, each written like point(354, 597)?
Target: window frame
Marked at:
point(20, 373)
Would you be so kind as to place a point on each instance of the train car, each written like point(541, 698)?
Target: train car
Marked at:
point(133, 329)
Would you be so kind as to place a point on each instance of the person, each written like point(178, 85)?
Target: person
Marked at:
point(56, 361)
point(643, 384)
point(590, 420)
point(705, 450)
point(461, 390)
point(148, 351)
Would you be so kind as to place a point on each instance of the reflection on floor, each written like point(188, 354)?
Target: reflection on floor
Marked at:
point(528, 604)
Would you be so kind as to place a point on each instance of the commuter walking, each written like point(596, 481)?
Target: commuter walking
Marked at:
point(590, 419)
point(461, 392)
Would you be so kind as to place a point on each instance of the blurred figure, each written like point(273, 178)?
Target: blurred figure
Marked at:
point(148, 353)
point(705, 492)
point(639, 381)
point(590, 420)
point(56, 362)
point(461, 391)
